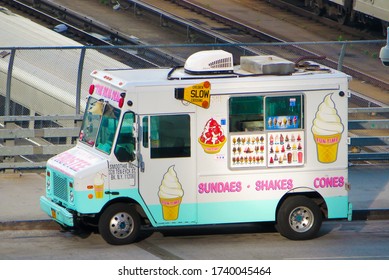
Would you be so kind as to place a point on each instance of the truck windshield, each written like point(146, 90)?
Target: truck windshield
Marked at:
point(99, 125)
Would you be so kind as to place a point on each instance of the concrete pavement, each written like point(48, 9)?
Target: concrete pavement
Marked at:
point(19, 196)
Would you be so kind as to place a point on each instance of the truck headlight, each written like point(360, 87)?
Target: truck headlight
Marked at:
point(71, 197)
point(48, 186)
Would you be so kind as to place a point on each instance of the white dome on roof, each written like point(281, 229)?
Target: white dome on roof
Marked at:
point(212, 61)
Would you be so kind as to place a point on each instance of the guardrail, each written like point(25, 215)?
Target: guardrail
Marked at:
point(27, 146)
point(363, 145)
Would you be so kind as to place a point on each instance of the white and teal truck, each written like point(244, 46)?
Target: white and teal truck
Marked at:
point(207, 143)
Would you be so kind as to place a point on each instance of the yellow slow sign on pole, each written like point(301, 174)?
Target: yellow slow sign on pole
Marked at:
point(199, 94)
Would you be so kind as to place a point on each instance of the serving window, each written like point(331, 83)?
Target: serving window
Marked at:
point(246, 113)
point(284, 112)
point(266, 131)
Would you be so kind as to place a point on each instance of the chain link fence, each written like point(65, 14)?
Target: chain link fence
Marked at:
point(54, 81)
point(63, 72)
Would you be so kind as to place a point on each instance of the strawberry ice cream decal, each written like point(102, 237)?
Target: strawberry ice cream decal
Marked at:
point(212, 139)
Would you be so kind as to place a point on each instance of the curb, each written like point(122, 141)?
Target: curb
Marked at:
point(358, 215)
point(370, 214)
point(30, 225)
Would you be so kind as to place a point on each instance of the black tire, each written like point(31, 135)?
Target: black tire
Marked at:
point(299, 218)
point(119, 224)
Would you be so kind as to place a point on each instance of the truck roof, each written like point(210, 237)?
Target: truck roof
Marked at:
point(251, 69)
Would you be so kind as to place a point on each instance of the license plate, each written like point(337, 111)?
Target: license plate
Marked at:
point(53, 214)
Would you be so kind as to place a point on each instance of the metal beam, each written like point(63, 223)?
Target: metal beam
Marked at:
point(368, 124)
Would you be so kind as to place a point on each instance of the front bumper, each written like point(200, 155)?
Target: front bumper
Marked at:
point(57, 212)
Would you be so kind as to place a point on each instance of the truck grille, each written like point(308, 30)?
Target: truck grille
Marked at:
point(60, 184)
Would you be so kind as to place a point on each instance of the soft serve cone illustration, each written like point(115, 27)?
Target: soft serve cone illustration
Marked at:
point(170, 194)
point(327, 130)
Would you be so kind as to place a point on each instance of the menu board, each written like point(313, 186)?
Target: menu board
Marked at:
point(247, 150)
point(285, 148)
point(272, 149)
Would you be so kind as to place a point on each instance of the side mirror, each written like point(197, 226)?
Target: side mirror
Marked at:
point(384, 53)
point(135, 130)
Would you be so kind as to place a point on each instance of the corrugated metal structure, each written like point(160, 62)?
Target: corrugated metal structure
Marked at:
point(44, 76)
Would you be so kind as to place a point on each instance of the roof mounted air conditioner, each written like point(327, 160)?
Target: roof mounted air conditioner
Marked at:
point(266, 65)
point(209, 62)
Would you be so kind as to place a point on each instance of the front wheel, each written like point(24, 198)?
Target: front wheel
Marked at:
point(299, 218)
point(119, 224)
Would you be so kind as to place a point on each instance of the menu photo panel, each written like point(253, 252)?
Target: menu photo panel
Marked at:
point(285, 148)
point(247, 150)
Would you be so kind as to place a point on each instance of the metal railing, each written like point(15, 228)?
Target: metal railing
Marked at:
point(369, 139)
point(26, 148)
point(67, 68)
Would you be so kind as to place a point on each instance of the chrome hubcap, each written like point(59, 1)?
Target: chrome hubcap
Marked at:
point(121, 225)
point(301, 219)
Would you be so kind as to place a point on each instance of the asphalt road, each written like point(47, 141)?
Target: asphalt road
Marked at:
point(357, 240)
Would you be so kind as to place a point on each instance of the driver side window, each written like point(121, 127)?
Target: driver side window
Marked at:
point(125, 144)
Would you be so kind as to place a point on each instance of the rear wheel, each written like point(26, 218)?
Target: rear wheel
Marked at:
point(299, 218)
point(119, 224)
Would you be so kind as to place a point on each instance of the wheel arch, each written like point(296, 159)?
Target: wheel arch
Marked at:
point(131, 202)
point(309, 193)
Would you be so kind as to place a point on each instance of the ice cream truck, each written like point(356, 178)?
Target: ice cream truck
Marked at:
point(210, 143)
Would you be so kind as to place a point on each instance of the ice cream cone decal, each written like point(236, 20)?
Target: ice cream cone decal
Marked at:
point(327, 130)
point(170, 195)
point(98, 185)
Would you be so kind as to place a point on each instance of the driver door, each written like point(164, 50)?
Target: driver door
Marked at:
point(167, 179)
